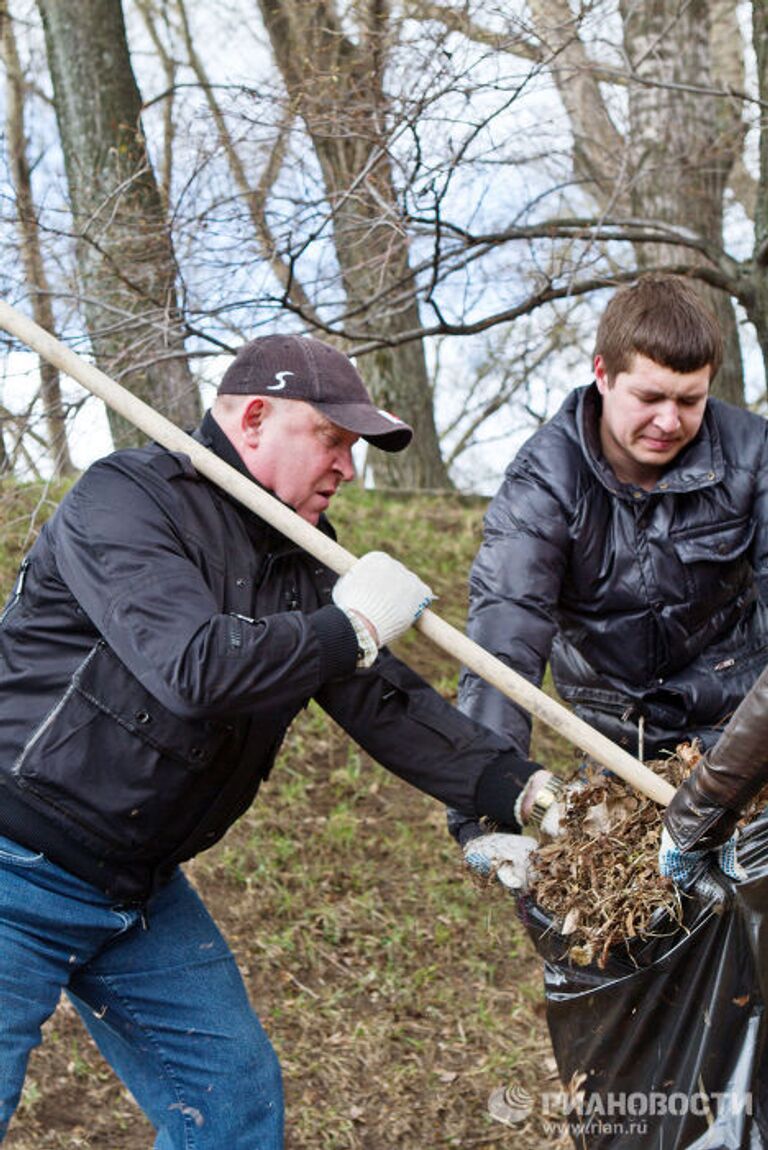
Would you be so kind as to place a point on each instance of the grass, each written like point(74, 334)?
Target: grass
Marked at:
point(397, 990)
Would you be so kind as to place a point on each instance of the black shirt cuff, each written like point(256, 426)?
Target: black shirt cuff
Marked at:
point(338, 642)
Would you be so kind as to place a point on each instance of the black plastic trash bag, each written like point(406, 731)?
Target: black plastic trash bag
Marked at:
point(665, 1048)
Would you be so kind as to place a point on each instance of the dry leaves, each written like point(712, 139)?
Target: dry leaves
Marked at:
point(600, 880)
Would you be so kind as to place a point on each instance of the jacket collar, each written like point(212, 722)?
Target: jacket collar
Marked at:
point(700, 464)
point(211, 436)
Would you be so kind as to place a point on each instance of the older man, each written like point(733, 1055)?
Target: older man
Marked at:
point(158, 643)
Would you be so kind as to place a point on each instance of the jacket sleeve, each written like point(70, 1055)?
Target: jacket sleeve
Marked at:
point(409, 728)
point(760, 545)
point(706, 808)
point(514, 589)
point(124, 559)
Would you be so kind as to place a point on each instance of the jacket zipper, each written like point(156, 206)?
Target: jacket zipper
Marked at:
point(13, 602)
point(50, 717)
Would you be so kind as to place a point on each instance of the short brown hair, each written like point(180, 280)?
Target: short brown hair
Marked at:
point(663, 318)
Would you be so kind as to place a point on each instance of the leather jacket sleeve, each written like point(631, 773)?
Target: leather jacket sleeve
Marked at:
point(514, 588)
point(760, 515)
point(707, 806)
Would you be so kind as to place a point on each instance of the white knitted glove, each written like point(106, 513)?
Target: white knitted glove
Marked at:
point(506, 856)
point(384, 592)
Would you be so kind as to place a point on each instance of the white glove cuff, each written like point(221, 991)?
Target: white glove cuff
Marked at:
point(366, 644)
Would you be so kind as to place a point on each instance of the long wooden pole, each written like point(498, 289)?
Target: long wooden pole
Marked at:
point(452, 641)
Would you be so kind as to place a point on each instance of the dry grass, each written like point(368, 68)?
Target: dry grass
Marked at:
point(599, 881)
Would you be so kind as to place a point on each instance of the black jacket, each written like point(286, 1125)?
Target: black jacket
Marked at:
point(650, 602)
point(158, 643)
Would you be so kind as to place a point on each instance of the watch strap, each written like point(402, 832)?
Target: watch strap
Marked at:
point(552, 791)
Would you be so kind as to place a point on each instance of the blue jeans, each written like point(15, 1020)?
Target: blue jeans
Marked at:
point(164, 1002)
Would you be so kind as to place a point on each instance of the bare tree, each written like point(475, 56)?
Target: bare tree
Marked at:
point(29, 240)
point(405, 171)
point(683, 141)
point(755, 281)
point(125, 257)
point(670, 162)
point(336, 85)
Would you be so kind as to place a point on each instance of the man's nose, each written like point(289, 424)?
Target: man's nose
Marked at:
point(345, 465)
point(668, 418)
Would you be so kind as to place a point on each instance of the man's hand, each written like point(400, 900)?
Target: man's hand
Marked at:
point(506, 856)
point(383, 594)
point(686, 868)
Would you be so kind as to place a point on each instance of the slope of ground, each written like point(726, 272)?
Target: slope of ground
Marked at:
point(398, 992)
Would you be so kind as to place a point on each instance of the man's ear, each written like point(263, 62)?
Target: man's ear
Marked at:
point(253, 415)
point(601, 375)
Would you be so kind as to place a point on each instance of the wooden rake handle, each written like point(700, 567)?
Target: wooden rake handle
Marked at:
point(310, 539)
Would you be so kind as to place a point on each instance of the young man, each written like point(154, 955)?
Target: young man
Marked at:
point(158, 643)
point(628, 542)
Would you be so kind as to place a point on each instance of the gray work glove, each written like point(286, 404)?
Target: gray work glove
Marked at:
point(685, 868)
point(505, 856)
point(379, 591)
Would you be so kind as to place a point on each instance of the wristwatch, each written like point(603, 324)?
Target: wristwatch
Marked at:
point(551, 792)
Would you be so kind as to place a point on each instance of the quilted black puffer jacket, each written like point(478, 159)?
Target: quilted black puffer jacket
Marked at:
point(650, 603)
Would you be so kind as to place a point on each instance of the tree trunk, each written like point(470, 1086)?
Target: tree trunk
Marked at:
point(683, 144)
point(29, 242)
point(756, 292)
point(5, 463)
point(336, 88)
point(125, 258)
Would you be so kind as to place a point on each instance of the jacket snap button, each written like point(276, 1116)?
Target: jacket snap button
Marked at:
point(196, 752)
point(240, 582)
point(143, 717)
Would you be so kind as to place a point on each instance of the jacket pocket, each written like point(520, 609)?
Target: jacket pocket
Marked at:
point(715, 543)
point(715, 560)
point(406, 694)
point(114, 761)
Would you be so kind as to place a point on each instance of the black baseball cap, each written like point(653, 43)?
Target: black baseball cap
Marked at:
point(298, 367)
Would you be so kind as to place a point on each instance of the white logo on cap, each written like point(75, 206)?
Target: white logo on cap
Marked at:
point(389, 416)
point(279, 376)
